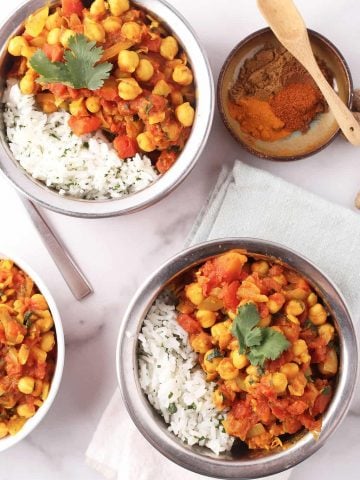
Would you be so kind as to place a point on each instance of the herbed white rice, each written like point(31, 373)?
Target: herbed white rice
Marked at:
point(83, 167)
point(175, 384)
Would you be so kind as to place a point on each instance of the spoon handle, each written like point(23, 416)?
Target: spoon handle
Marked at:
point(73, 276)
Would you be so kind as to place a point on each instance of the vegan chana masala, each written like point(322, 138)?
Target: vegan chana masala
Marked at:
point(114, 68)
point(266, 339)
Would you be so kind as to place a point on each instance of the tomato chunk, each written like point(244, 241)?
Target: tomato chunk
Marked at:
point(82, 125)
point(125, 146)
point(189, 324)
point(165, 161)
point(53, 52)
point(72, 6)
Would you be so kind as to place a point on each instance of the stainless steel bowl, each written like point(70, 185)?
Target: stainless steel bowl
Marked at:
point(38, 192)
point(201, 460)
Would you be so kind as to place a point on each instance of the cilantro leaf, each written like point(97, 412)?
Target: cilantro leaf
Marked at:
point(80, 69)
point(259, 344)
point(214, 354)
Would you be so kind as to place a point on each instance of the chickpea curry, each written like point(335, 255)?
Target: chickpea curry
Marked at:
point(265, 338)
point(114, 68)
point(27, 348)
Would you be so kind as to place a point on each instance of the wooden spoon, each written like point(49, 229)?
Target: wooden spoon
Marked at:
point(288, 26)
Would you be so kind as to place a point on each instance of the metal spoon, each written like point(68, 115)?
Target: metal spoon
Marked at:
point(288, 26)
point(73, 276)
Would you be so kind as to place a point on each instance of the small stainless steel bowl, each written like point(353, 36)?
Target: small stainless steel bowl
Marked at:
point(50, 199)
point(199, 459)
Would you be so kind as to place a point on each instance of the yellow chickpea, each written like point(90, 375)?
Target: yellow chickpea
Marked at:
point(117, 7)
point(3, 430)
point(47, 341)
point(162, 88)
point(201, 342)
point(28, 51)
point(317, 314)
point(77, 107)
point(54, 36)
point(129, 89)
point(279, 382)
point(27, 84)
point(290, 370)
point(211, 365)
point(227, 370)
point(98, 7)
point(46, 322)
point(23, 354)
point(93, 104)
point(128, 61)
point(94, 30)
point(311, 299)
point(295, 307)
point(330, 365)
point(300, 351)
point(239, 359)
point(327, 331)
point(39, 300)
point(146, 142)
point(218, 399)
point(65, 37)
point(194, 293)
point(206, 318)
point(53, 21)
point(25, 410)
point(220, 329)
point(261, 267)
point(26, 385)
point(131, 31)
point(16, 45)
point(45, 390)
point(185, 114)
point(111, 24)
point(169, 48)
point(145, 70)
point(182, 75)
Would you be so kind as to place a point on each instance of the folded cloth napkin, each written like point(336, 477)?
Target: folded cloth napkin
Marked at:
point(246, 202)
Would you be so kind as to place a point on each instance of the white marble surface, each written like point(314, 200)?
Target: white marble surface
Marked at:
point(117, 254)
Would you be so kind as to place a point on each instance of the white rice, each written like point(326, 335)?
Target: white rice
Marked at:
point(83, 167)
point(175, 384)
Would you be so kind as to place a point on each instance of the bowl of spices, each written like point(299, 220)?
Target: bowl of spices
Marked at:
point(270, 103)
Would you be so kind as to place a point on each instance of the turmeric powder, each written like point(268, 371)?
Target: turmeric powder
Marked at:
point(256, 118)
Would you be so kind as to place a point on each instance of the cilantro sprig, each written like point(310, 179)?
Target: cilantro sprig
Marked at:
point(80, 68)
point(258, 343)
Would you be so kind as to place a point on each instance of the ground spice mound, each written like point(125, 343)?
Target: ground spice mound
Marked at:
point(274, 77)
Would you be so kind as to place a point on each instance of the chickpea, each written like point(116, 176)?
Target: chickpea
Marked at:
point(295, 307)
point(39, 354)
point(317, 314)
point(206, 318)
point(185, 114)
point(226, 369)
point(25, 410)
point(261, 267)
point(169, 48)
point(290, 370)
point(23, 354)
point(128, 61)
point(129, 89)
point(326, 331)
point(162, 88)
point(27, 84)
point(53, 21)
point(26, 385)
point(131, 31)
point(47, 341)
point(77, 107)
point(46, 322)
point(279, 382)
point(146, 142)
point(28, 51)
point(218, 399)
point(300, 351)
point(280, 279)
point(201, 342)
point(211, 365)
point(54, 36)
point(45, 390)
point(3, 430)
point(265, 321)
point(311, 299)
point(220, 329)
point(297, 385)
point(329, 366)
point(93, 104)
point(117, 7)
point(38, 300)
point(145, 70)
point(249, 381)
point(182, 75)
point(65, 37)
point(93, 30)
point(16, 45)
point(239, 359)
point(111, 24)
point(98, 7)
point(194, 293)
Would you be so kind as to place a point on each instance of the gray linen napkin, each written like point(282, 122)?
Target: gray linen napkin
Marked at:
point(245, 202)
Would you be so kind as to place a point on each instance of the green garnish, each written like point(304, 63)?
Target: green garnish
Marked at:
point(258, 343)
point(80, 69)
point(326, 390)
point(172, 408)
point(214, 354)
point(27, 316)
point(191, 407)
